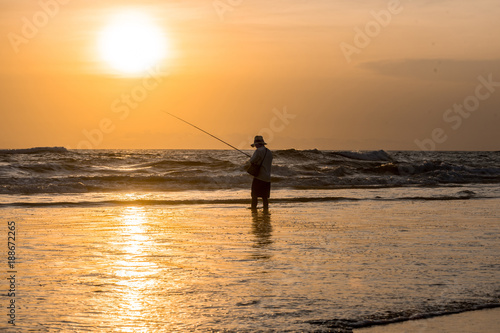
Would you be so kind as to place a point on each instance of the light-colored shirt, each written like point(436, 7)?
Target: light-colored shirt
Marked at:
point(260, 155)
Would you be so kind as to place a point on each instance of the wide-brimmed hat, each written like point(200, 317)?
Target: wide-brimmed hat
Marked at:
point(258, 140)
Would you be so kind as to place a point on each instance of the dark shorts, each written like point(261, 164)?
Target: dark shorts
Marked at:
point(260, 188)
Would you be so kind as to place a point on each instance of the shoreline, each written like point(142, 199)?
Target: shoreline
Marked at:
point(481, 320)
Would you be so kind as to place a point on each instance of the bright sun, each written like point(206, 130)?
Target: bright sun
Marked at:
point(131, 43)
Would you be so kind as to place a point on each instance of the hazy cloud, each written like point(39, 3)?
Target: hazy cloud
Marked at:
point(435, 69)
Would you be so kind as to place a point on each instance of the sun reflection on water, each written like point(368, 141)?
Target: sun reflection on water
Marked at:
point(135, 269)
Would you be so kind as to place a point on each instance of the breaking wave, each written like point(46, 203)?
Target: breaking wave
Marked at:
point(76, 201)
point(379, 155)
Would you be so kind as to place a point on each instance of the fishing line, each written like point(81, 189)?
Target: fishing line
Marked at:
point(213, 136)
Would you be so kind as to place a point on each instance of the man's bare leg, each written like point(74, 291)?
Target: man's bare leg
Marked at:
point(254, 202)
point(265, 202)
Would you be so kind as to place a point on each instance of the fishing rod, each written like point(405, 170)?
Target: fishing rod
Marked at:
point(213, 136)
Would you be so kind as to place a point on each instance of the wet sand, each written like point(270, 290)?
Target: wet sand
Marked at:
point(482, 321)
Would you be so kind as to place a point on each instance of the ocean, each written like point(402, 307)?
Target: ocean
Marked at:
point(56, 176)
point(162, 240)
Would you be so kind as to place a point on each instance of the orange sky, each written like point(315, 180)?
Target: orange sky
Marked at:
point(305, 74)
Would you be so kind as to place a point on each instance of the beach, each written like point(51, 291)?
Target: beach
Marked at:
point(250, 166)
point(484, 321)
point(305, 266)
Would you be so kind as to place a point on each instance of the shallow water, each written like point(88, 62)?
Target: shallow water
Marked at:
point(305, 266)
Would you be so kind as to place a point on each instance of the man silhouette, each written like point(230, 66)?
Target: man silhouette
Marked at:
point(261, 184)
